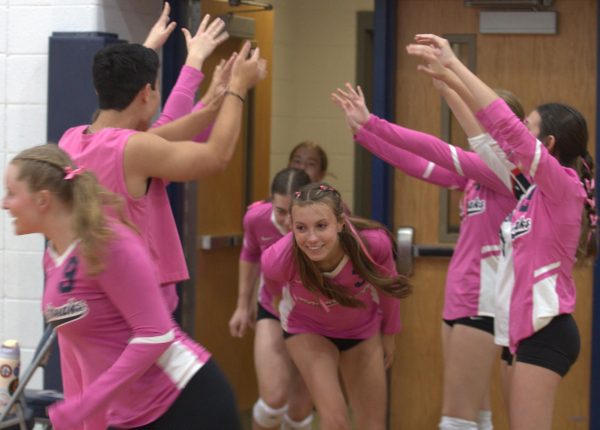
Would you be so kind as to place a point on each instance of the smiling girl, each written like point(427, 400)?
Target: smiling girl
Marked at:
point(340, 290)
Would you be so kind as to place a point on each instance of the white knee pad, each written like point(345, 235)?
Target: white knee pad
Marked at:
point(450, 423)
point(485, 421)
point(266, 416)
point(290, 424)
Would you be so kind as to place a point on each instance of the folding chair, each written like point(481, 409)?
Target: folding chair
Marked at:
point(18, 413)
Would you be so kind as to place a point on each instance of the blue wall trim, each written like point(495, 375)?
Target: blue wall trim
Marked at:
point(595, 370)
point(383, 104)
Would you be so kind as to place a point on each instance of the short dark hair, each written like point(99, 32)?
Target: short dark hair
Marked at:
point(120, 71)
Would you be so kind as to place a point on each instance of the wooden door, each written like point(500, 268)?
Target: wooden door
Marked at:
point(221, 204)
point(538, 69)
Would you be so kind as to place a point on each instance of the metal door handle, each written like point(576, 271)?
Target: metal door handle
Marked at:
point(207, 242)
point(407, 250)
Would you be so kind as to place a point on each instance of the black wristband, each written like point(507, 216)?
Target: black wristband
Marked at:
point(233, 93)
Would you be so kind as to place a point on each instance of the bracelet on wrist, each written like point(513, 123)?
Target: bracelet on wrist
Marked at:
point(233, 93)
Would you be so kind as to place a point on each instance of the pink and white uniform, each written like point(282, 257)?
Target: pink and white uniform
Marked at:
point(302, 311)
point(487, 200)
point(539, 238)
point(125, 357)
point(260, 231)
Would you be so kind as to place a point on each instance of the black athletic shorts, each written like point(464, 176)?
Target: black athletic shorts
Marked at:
point(554, 347)
point(262, 313)
point(340, 343)
point(480, 322)
point(207, 402)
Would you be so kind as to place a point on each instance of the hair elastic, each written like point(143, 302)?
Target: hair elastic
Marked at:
point(71, 173)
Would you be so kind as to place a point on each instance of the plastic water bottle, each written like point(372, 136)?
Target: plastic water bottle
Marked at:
point(10, 362)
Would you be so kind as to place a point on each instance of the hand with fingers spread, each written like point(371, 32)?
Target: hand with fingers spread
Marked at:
point(161, 30)
point(352, 102)
point(204, 42)
point(220, 80)
point(247, 70)
point(441, 46)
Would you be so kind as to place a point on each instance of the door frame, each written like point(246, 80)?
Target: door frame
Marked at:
point(595, 364)
point(384, 98)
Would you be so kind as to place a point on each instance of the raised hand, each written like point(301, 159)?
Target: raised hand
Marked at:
point(220, 79)
point(204, 42)
point(161, 30)
point(352, 102)
point(442, 47)
point(432, 66)
point(247, 70)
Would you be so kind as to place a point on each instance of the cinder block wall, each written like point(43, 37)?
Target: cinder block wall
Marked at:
point(25, 26)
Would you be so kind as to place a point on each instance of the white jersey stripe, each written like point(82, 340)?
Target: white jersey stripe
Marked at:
point(428, 170)
point(180, 363)
point(490, 248)
point(163, 338)
point(536, 158)
point(546, 269)
point(456, 161)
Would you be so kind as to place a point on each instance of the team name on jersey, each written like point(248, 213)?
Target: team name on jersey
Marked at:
point(520, 227)
point(64, 314)
point(475, 206)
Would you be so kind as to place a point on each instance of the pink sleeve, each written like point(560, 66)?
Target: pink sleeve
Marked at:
point(411, 164)
point(129, 283)
point(380, 247)
point(277, 265)
point(251, 247)
point(450, 157)
point(525, 151)
point(182, 96)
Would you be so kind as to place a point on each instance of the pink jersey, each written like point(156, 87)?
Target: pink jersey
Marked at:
point(302, 311)
point(123, 355)
point(541, 235)
point(487, 200)
point(260, 231)
point(103, 154)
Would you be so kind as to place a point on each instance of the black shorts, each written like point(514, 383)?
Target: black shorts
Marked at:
point(207, 402)
point(555, 347)
point(340, 343)
point(262, 314)
point(479, 322)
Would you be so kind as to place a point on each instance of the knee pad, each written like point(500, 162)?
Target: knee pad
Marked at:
point(484, 422)
point(450, 423)
point(266, 416)
point(290, 424)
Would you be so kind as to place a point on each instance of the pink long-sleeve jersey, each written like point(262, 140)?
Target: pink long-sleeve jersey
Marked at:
point(124, 357)
point(487, 200)
point(302, 311)
point(260, 231)
point(539, 238)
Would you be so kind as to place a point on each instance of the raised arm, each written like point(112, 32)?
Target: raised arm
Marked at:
point(521, 147)
point(149, 156)
point(451, 158)
point(161, 30)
